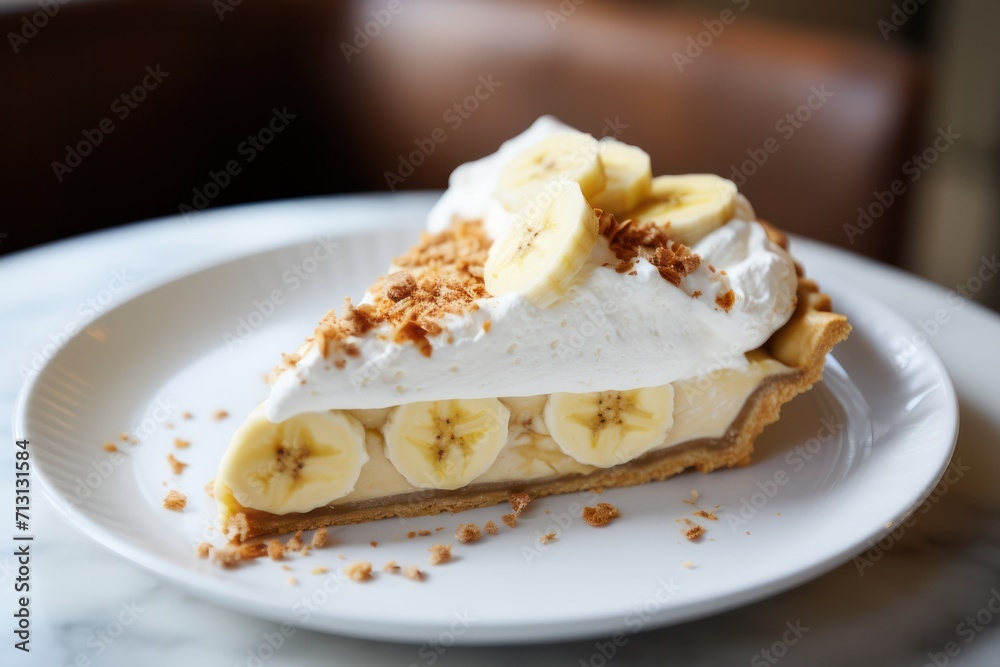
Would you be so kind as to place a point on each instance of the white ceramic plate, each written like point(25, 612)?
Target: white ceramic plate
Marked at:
point(886, 415)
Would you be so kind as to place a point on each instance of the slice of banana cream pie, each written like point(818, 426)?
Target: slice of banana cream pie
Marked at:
point(567, 322)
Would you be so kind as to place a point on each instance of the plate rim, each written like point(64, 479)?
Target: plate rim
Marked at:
point(242, 600)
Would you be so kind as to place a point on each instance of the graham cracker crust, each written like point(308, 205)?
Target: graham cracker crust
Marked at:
point(801, 344)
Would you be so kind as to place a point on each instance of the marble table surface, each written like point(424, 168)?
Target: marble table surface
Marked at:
point(933, 589)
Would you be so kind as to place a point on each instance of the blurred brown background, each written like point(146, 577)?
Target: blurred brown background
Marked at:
point(117, 111)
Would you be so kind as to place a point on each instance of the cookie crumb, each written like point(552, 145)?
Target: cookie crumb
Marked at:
point(203, 549)
point(600, 515)
point(286, 568)
point(518, 501)
point(319, 538)
point(693, 530)
point(110, 447)
point(359, 570)
point(467, 532)
point(181, 443)
point(490, 527)
point(187, 415)
point(410, 535)
point(413, 572)
point(227, 558)
point(706, 515)
point(439, 529)
point(687, 564)
point(175, 465)
point(168, 425)
point(510, 520)
point(547, 537)
point(220, 414)
point(275, 550)
point(373, 543)
point(295, 542)
point(210, 488)
point(292, 581)
point(693, 498)
point(319, 570)
point(391, 567)
point(174, 500)
point(423, 533)
point(440, 554)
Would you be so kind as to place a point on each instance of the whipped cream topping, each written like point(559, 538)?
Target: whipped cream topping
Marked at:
point(609, 331)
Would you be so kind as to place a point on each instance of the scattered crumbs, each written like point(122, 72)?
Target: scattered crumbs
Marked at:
point(255, 550)
point(292, 581)
point(410, 535)
point(439, 529)
point(413, 572)
point(124, 437)
point(440, 554)
point(693, 498)
point(373, 543)
point(174, 500)
point(181, 443)
point(175, 465)
point(706, 515)
point(547, 537)
point(275, 550)
point(168, 425)
point(510, 520)
point(110, 447)
point(295, 542)
point(187, 415)
point(748, 532)
point(490, 527)
point(467, 532)
point(359, 570)
point(711, 268)
point(210, 488)
point(726, 301)
point(694, 532)
point(695, 294)
point(220, 414)
point(286, 568)
point(423, 533)
point(203, 549)
point(486, 326)
point(319, 538)
point(687, 564)
point(391, 567)
point(319, 570)
point(341, 556)
point(227, 558)
point(518, 501)
point(600, 515)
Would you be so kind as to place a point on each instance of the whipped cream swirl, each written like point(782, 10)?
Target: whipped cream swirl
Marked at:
point(609, 331)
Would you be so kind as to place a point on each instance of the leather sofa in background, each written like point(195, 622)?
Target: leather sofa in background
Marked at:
point(393, 94)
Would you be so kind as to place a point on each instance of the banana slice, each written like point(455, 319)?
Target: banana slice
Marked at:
point(607, 428)
point(445, 444)
point(542, 254)
point(690, 206)
point(555, 162)
point(628, 177)
point(297, 465)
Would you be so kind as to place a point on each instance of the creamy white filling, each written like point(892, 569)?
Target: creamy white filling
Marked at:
point(610, 331)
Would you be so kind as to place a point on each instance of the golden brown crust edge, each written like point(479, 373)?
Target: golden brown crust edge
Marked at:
point(802, 343)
